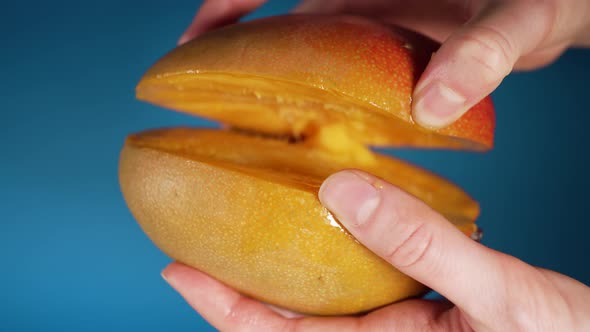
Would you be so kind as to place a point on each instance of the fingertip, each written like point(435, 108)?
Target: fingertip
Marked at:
point(223, 307)
point(344, 175)
point(170, 267)
point(184, 38)
point(190, 34)
point(207, 13)
point(170, 273)
point(182, 277)
point(165, 275)
point(351, 196)
point(216, 13)
point(437, 105)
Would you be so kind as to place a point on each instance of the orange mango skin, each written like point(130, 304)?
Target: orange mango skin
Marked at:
point(245, 210)
point(223, 204)
point(370, 65)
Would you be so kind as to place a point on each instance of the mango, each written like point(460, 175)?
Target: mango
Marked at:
point(301, 97)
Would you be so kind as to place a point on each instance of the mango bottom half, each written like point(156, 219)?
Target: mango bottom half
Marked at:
point(244, 209)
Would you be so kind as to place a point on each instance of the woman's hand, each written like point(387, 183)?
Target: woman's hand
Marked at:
point(489, 291)
point(483, 40)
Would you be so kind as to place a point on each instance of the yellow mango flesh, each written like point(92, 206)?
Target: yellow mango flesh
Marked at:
point(282, 107)
point(244, 209)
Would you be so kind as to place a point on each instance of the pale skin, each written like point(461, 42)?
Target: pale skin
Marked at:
point(482, 42)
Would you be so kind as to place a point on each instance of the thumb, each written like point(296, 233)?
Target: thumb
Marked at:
point(472, 62)
point(419, 242)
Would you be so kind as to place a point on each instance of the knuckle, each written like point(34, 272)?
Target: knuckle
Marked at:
point(413, 248)
point(293, 325)
point(491, 49)
point(231, 315)
point(524, 313)
point(238, 316)
point(521, 318)
point(548, 13)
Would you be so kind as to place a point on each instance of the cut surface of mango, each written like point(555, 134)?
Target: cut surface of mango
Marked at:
point(306, 165)
point(283, 107)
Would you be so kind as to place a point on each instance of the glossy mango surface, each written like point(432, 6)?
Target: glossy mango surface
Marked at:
point(301, 97)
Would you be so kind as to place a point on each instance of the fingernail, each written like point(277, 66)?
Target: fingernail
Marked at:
point(165, 276)
point(189, 34)
point(437, 105)
point(183, 39)
point(349, 196)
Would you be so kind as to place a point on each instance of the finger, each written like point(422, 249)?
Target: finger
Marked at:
point(227, 310)
point(417, 240)
point(221, 306)
point(320, 7)
point(473, 61)
point(216, 13)
point(412, 315)
point(436, 19)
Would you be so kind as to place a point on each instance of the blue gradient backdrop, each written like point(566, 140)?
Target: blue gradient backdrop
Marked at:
point(73, 259)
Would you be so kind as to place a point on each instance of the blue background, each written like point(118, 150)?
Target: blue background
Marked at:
point(72, 257)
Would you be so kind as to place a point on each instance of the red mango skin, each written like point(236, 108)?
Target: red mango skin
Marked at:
point(370, 66)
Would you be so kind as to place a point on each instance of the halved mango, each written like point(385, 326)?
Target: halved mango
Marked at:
point(245, 210)
point(304, 96)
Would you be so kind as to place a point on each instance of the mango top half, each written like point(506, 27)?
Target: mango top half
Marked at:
point(290, 75)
